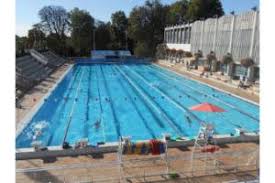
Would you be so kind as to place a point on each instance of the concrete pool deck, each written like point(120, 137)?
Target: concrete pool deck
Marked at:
point(104, 166)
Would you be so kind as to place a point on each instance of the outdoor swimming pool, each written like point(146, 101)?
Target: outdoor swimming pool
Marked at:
point(102, 102)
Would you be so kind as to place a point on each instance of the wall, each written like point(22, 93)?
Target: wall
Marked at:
point(237, 34)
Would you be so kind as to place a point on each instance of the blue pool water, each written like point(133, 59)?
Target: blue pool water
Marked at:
point(102, 102)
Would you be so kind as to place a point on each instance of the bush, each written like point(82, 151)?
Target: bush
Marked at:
point(161, 51)
point(247, 62)
point(227, 59)
point(142, 50)
point(198, 54)
point(173, 175)
point(188, 54)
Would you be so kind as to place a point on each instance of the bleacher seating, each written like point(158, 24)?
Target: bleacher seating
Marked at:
point(53, 59)
point(29, 72)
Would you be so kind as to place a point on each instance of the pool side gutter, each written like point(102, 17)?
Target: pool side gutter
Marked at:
point(57, 151)
point(27, 119)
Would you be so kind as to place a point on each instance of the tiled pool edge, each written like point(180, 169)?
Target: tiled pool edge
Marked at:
point(211, 86)
point(57, 151)
point(25, 121)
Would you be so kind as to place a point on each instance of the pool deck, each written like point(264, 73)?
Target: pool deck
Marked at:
point(95, 167)
point(180, 69)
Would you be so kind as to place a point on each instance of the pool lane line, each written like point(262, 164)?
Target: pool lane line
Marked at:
point(154, 106)
point(171, 100)
point(136, 107)
point(77, 72)
point(87, 115)
point(100, 105)
point(26, 120)
point(225, 103)
point(197, 100)
point(158, 120)
point(72, 109)
point(116, 122)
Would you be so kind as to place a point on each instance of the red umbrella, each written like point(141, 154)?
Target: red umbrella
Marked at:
point(207, 107)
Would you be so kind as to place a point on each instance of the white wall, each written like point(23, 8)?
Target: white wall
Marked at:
point(184, 47)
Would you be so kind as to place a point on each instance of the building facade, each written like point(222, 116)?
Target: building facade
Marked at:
point(234, 34)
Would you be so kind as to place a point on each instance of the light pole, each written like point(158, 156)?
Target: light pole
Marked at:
point(93, 39)
point(126, 43)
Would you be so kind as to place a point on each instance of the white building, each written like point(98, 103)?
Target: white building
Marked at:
point(235, 34)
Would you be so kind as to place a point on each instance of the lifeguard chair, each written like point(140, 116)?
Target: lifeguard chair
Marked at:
point(204, 148)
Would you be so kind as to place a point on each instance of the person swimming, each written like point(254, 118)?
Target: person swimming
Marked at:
point(188, 120)
point(97, 124)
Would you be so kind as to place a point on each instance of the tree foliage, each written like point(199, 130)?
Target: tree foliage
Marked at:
point(198, 9)
point(103, 37)
point(54, 19)
point(146, 25)
point(118, 30)
point(177, 12)
point(36, 38)
point(72, 33)
point(81, 26)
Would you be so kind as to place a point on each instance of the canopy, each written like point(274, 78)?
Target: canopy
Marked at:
point(207, 107)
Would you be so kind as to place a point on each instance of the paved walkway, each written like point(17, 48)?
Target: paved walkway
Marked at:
point(102, 166)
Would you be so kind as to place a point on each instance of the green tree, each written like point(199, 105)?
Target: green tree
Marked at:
point(118, 30)
point(82, 26)
point(103, 36)
point(36, 38)
point(177, 12)
point(21, 45)
point(198, 9)
point(55, 23)
point(146, 26)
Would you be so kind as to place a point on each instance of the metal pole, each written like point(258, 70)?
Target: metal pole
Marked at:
point(93, 39)
point(126, 42)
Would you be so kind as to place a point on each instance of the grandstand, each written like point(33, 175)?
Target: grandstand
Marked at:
point(30, 70)
point(53, 59)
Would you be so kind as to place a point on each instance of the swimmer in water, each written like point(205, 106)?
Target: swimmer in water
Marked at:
point(189, 120)
point(97, 124)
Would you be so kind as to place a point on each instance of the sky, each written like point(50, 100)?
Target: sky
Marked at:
point(27, 10)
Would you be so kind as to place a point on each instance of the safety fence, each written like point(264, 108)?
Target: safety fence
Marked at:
point(145, 168)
